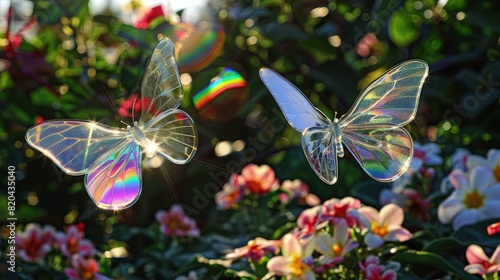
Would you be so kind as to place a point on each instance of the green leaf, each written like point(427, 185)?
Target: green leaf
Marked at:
point(444, 245)
point(402, 30)
point(427, 259)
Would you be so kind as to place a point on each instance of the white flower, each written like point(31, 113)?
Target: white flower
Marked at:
point(492, 162)
point(476, 197)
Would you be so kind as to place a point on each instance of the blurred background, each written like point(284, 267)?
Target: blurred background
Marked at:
point(62, 59)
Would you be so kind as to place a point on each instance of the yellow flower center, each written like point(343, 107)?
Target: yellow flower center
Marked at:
point(380, 230)
point(296, 265)
point(337, 249)
point(473, 200)
point(496, 172)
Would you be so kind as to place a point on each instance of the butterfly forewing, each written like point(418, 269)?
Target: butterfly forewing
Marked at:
point(175, 134)
point(319, 148)
point(114, 181)
point(391, 99)
point(383, 151)
point(161, 87)
point(74, 145)
point(298, 110)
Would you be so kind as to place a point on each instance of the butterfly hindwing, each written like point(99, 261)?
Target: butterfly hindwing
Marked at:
point(73, 145)
point(383, 151)
point(319, 148)
point(298, 110)
point(391, 99)
point(114, 181)
point(175, 133)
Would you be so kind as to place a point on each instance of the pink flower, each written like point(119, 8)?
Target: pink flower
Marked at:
point(83, 269)
point(364, 46)
point(476, 197)
point(298, 190)
point(175, 223)
point(35, 242)
point(231, 193)
point(335, 210)
point(334, 248)
point(296, 260)
point(72, 242)
point(308, 220)
point(479, 262)
point(371, 270)
point(255, 249)
point(259, 179)
point(384, 225)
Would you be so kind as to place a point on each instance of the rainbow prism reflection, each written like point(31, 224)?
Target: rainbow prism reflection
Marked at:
point(224, 97)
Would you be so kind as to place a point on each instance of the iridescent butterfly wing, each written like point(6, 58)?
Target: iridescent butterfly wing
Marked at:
point(171, 131)
point(83, 147)
point(114, 181)
point(317, 138)
point(372, 129)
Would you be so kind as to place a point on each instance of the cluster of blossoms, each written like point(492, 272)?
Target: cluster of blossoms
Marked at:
point(35, 242)
point(258, 181)
point(475, 194)
point(325, 236)
point(175, 223)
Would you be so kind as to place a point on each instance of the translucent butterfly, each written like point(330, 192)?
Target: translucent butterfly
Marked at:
point(372, 130)
point(110, 158)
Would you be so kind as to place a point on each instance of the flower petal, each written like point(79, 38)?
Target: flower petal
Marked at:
point(370, 213)
point(474, 269)
point(450, 208)
point(475, 254)
point(481, 178)
point(400, 234)
point(279, 265)
point(495, 258)
point(373, 241)
point(391, 214)
point(466, 217)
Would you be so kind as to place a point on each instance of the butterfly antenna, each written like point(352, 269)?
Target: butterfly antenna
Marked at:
point(133, 111)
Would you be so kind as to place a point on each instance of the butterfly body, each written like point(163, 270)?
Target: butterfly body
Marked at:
point(110, 158)
point(372, 130)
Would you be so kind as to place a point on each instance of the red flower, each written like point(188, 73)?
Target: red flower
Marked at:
point(493, 228)
point(259, 179)
point(175, 223)
point(145, 20)
point(127, 105)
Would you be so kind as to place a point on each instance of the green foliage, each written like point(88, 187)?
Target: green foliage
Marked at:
point(75, 65)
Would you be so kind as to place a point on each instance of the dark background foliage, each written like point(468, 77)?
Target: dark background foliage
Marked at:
point(63, 74)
